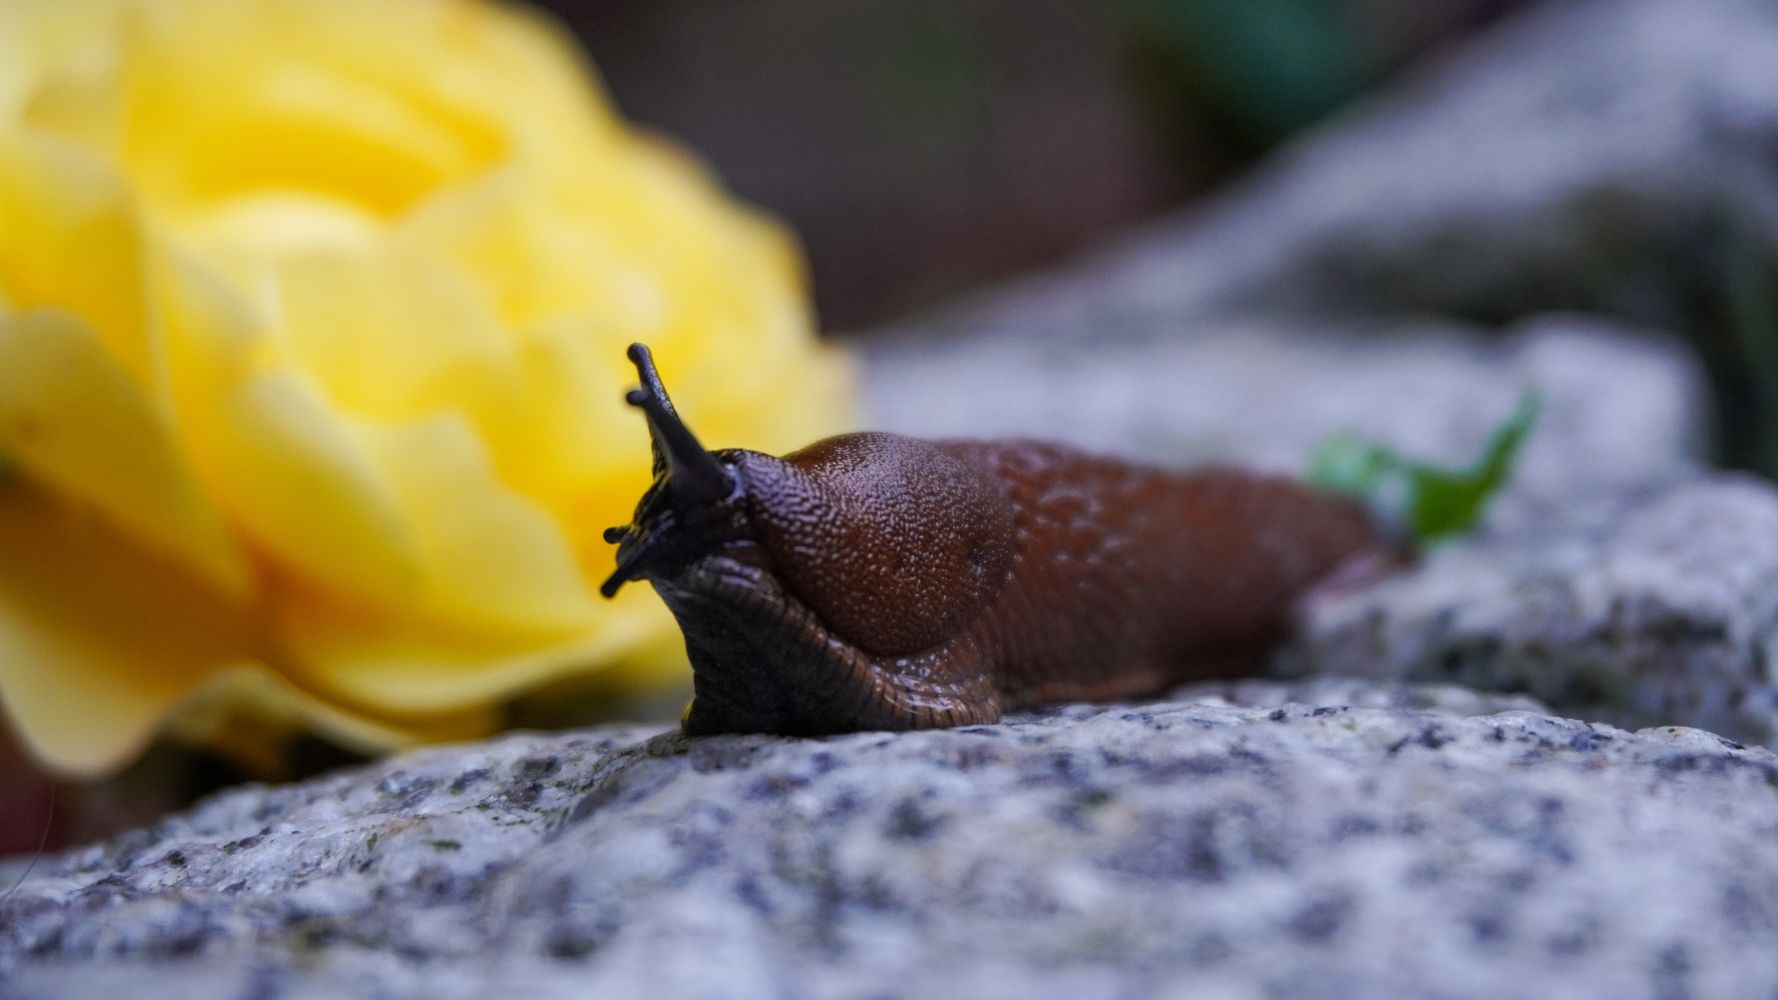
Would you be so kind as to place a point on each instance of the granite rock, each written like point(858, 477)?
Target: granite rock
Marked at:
point(1239, 841)
point(1638, 607)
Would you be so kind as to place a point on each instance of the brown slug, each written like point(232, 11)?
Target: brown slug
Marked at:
point(874, 581)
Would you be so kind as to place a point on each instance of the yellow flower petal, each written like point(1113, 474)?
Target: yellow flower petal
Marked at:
point(250, 713)
point(69, 238)
point(579, 436)
point(396, 336)
point(230, 97)
point(387, 667)
point(99, 638)
point(45, 41)
point(73, 419)
point(491, 558)
point(533, 76)
point(246, 235)
point(214, 341)
point(352, 283)
point(303, 484)
point(539, 263)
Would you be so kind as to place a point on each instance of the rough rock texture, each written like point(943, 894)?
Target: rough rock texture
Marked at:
point(1638, 608)
point(1202, 849)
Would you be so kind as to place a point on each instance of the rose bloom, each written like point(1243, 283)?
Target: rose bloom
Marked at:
point(312, 319)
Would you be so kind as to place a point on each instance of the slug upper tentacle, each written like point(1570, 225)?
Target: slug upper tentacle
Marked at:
point(874, 581)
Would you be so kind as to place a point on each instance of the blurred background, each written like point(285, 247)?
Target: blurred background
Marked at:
point(924, 147)
point(922, 150)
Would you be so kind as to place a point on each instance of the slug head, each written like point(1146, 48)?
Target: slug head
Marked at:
point(692, 505)
point(786, 573)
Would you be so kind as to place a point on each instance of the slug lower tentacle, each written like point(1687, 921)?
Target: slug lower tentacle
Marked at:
point(874, 581)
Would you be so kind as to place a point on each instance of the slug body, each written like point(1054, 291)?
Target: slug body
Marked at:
point(874, 581)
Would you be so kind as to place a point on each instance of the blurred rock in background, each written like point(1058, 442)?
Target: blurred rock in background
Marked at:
point(1611, 159)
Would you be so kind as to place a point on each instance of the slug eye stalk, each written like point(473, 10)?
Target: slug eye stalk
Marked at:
point(694, 474)
point(687, 479)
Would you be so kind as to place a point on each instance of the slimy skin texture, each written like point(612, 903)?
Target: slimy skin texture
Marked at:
point(873, 581)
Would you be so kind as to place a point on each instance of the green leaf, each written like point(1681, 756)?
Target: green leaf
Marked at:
point(1346, 464)
point(1445, 503)
point(1436, 502)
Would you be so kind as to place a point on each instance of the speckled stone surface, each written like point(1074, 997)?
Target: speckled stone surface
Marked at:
point(1193, 848)
point(1640, 608)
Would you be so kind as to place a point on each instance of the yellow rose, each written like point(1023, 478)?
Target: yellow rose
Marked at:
point(312, 317)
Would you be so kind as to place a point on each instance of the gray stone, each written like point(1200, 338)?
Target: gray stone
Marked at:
point(1619, 407)
point(1256, 847)
point(1594, 156)
point(1639, 608)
